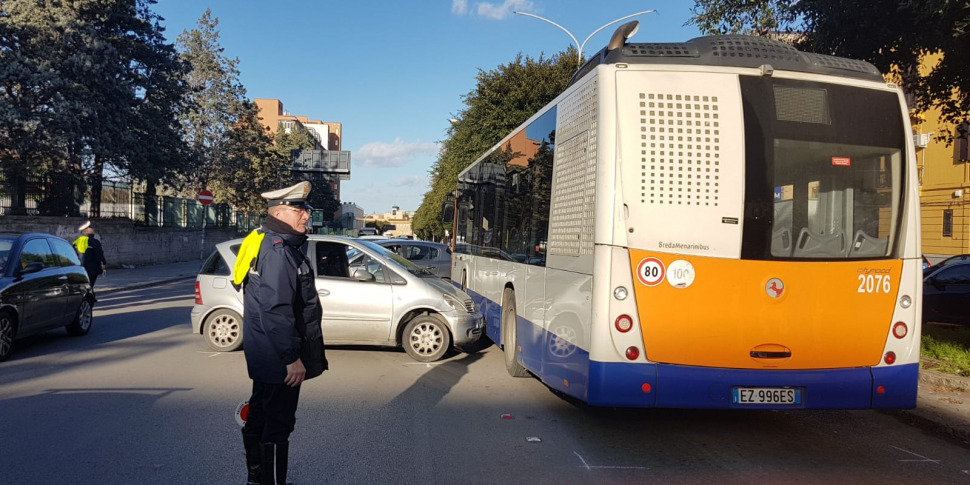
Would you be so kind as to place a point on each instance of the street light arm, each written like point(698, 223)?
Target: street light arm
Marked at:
point(571, 36)
point(611, 23)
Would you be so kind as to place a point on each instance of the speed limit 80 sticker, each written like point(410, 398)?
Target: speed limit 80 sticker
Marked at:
point(651, 271)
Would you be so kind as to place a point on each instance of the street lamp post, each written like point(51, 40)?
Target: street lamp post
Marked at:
point(571, 36)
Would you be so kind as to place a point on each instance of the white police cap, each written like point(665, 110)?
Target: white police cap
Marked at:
point(293, 196)
point(84, 226)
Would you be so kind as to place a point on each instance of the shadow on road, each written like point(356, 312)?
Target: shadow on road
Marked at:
point(106, 435)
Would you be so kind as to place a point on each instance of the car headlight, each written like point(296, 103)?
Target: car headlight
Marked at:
point(453, 302)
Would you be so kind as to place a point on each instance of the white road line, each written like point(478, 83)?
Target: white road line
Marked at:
point(922, 458)
point(587, 466)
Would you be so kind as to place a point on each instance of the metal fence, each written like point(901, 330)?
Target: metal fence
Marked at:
point(119, 199)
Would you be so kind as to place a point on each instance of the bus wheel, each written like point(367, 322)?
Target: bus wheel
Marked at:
point(512, 364)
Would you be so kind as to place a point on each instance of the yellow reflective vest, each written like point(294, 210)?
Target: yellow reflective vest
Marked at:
point(81, 244)
point(246, 257)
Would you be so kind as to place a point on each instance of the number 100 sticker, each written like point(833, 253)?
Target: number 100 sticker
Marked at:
point(651, 271)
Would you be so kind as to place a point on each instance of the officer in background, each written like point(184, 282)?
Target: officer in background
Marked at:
point(283, 342)
point(91, 252)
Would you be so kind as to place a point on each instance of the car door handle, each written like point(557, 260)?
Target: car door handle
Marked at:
point(323, 292)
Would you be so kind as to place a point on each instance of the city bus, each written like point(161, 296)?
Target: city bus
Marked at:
point(725, 222)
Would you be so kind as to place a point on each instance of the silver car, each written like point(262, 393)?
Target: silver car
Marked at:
point(369, 295)
point(434, 257)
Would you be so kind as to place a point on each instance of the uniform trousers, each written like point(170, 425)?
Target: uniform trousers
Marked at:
point(272, 412)
point(92, 275)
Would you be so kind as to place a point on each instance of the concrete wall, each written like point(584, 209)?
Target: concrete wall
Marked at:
point(127, 243)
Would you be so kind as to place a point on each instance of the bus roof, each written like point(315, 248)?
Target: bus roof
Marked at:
point(731, 51)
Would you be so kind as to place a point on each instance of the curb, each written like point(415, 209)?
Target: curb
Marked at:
point(931, 414)
point(941, 379)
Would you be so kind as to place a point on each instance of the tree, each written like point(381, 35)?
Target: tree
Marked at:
point(503, 98)
point(894, 35)
point(217, 101)
point(71, 78)
point(253, 165)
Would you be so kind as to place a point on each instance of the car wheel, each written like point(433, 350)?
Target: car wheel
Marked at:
point(8, 328)
point(223, 331)
point(512, 364)
point(82, 320)
point(426, 339)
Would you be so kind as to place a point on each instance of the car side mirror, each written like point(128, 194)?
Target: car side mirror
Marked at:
point(361, 274)
point(32, 268)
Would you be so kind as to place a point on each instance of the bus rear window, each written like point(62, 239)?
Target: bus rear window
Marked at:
point(825, 163)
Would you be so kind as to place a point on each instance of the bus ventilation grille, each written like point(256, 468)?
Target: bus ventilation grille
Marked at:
point(680, 149)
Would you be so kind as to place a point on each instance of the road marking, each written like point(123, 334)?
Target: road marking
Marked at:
point(587, 466)
point(922, 458)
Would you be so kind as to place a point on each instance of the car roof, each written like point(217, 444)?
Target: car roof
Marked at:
point(947, 267)
point(310, 237)
point(409, 241)
point(27, 235)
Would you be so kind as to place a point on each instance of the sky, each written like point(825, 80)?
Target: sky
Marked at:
point(394, 72)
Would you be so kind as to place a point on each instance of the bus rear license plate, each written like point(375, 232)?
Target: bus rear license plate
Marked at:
point(766, 395)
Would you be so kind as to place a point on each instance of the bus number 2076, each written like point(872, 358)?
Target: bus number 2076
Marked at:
point(874, 283)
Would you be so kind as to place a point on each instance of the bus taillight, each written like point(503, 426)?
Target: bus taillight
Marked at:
point(889, 358)
point(900, 330)
point(624, 323)
point(632, 353)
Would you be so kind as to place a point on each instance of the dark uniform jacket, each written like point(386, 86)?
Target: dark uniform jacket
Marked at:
point(93, 257)
point(281, 309)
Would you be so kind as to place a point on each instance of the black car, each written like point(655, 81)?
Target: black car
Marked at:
point(946, 294)
point(927, 270)
point(42, 286)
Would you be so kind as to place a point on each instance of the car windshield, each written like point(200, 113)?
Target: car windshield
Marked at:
point(395, 258)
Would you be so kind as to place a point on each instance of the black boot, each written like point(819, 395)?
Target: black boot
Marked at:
point(275, 458)
point(254, 458)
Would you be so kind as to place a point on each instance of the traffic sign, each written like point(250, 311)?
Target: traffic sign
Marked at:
point(651, 271)
point(205, 197)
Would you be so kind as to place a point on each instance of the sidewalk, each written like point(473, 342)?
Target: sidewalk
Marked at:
point(943, 403)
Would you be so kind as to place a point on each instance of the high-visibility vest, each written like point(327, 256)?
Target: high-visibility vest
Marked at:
point(81, 244)
point(246, 257)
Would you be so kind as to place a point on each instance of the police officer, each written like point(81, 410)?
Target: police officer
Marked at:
point(281, 330)
point(91, 252)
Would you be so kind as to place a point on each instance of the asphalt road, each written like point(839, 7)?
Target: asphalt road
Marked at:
point(141, 401)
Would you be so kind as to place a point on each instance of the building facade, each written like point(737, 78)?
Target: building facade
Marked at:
point(944, 177)
point(397, 222)
point(351, 216)
point(327, 135)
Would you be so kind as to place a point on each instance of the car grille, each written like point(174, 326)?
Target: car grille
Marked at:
point(470, 306)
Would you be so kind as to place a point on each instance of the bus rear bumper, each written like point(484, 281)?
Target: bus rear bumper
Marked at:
point(676, 386)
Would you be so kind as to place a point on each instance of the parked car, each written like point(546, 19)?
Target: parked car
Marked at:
point(946, 294)
point(946, 262)
point(435, 257)
point(370, 296)
point(42, 286)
